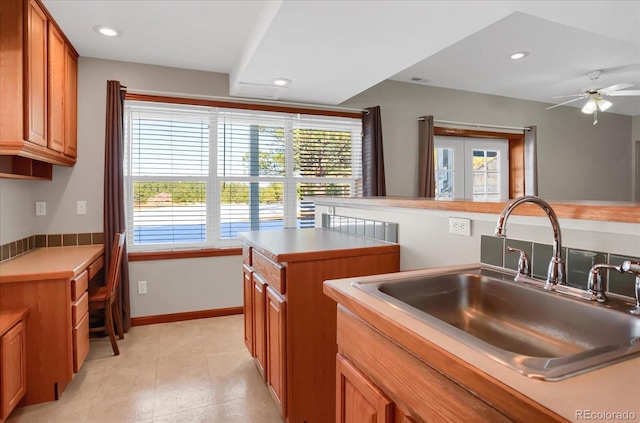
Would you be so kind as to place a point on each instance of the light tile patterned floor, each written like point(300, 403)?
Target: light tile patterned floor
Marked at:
point(192, 371)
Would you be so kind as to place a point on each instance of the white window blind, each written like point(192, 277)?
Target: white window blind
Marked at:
point(196, 176)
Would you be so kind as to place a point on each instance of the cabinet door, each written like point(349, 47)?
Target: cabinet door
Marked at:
point(358, 400)
point(248, 308)
point(276, 348)
point(36, 76)
point(12, 369)
point(259, 328)
point(70, 103)
point(55, 89)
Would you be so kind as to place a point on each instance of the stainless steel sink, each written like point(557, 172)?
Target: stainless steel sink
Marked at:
point(541, 334)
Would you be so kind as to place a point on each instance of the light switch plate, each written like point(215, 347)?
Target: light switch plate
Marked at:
point(41, 208)
point(142, 287)
point(81, 207)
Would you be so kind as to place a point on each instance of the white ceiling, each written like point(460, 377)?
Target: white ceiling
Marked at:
point(333, 50)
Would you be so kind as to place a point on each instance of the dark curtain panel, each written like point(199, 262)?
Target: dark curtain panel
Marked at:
point(530, 161)
point(426, 171)
point(113, 189)
point(372, 157)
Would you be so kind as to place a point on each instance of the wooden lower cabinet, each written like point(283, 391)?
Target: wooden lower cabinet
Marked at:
point(13, 373)
point(247, 291)
point(358, 400)
point(259, 324)
point(420, 392)
point(276, 349)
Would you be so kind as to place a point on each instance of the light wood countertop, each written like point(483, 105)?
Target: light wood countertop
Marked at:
point(49, 263)
point(305, 244)
point(615, 388)
point(610, 211)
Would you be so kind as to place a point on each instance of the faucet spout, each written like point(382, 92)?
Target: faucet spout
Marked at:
point(555, 273)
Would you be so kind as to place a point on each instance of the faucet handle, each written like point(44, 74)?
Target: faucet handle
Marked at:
point(633, 267)
point(524, 269)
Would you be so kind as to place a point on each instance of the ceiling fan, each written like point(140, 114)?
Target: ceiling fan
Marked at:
point(595, 96)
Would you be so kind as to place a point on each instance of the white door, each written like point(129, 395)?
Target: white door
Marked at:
point(449, 167)
point(486, 169)
point(473, 168)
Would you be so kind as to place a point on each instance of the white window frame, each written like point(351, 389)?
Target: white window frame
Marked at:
point(213, 180)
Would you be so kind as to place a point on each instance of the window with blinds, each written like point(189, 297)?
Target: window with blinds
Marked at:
point(196, 176)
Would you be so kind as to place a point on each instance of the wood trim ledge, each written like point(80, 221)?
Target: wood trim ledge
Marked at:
point(189, 315)
point(608, 211)
point(170, 255)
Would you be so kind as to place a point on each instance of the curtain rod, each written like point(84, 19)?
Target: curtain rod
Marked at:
point(246, 100)
point(479, 125)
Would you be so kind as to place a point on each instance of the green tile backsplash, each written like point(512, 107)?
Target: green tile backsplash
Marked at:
point(21, 246)
point(578, 262)
point(581, 262)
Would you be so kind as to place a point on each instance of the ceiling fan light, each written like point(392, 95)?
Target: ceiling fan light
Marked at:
point(603, 104)
point(590, 107)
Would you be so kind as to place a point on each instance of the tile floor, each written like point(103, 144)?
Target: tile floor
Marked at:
point(192, 371)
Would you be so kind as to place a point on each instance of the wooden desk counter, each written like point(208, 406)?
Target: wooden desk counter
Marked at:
point(49, 263)
point(40, 281)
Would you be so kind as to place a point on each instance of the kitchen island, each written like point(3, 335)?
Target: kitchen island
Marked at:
point(290, 326)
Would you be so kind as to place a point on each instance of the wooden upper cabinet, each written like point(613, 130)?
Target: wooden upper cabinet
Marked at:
point(70, 102)
point(36, 75)
point(56, 90)
point(38, 92)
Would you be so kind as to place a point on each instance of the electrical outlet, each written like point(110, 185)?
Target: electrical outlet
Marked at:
point(460, 226)
point(81, 207)
point(142, 287)
point(41, 208)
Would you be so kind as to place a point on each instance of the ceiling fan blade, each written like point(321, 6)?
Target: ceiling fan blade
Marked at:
point(566, 102)
point(611, 89)
point(570, 95)
point(628, 92)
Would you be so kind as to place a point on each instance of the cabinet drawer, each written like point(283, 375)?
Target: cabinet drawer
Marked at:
point(79, 285)
point(80, 342)
point(271, 272)
point(79, 308)
point(96, 266)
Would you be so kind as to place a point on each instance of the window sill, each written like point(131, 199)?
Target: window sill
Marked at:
point(170, 255)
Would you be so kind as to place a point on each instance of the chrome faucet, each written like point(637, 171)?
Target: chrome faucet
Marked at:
point(595, 285)
point(634, 268)
point(555, 274)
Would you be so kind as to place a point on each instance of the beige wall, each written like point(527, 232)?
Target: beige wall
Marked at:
point(576, 160)
point(635, 140)
point(17, 210)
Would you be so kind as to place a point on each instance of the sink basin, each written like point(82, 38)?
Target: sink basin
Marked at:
point(541, 334)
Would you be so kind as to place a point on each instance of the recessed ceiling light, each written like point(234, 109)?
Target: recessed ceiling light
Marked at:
point(519, 55)
point(281, 82)
point(106, 30)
